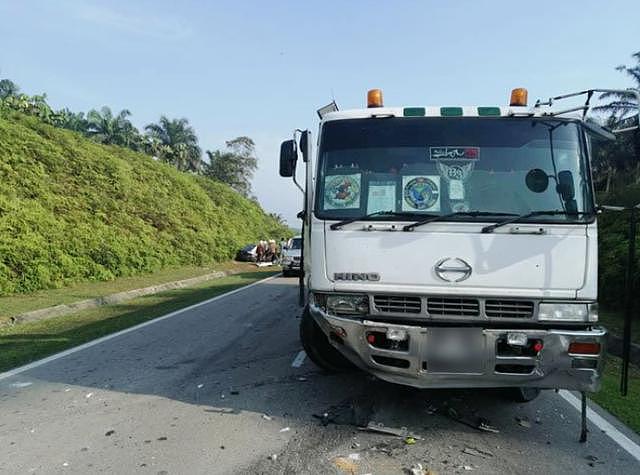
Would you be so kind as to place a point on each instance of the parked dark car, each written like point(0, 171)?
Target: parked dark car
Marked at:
point(247, 253)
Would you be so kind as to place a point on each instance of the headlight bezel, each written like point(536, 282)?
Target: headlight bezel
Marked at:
point(343, 303)
point(568, 312)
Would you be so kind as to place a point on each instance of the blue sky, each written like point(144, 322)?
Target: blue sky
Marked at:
point(261, 68)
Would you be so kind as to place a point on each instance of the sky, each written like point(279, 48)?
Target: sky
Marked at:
point(262, 68)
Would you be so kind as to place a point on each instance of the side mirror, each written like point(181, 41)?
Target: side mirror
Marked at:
point(537, 180)
point(288, 158)
point(565, 185)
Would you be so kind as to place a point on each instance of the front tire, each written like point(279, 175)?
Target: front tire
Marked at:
point(317, 346)
point(524, 394)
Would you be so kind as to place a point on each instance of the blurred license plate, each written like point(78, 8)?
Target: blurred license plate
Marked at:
point(455, 350)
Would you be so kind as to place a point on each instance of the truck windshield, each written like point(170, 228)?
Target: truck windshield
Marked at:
point(436, 166)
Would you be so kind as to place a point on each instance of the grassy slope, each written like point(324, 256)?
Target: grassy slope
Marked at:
point(73, 211)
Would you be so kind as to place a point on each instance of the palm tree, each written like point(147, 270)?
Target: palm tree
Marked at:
point(175, 141)
point(108, 129)
point(621, 155)
point(623, 103)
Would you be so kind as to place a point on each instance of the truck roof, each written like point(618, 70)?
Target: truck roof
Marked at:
point(443, 111)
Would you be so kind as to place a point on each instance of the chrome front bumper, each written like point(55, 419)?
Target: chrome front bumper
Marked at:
point(553, 367)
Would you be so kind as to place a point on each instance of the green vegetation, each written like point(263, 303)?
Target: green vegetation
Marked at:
point(28, 342)
point(627, 409)
point(16, 304)
point(72, 210)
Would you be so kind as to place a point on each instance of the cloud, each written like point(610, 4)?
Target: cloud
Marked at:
point(137, 23)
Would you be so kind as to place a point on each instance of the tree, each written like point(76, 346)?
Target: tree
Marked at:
point(235, 166)
point(8, 88)
point(108, 129)
point(175, 141)
point(623, 104)
point(620, 156)
point(73, 121)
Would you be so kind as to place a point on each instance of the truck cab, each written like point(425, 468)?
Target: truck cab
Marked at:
point(450, 246)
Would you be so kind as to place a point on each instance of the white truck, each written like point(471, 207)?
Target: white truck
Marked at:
point(452, 247)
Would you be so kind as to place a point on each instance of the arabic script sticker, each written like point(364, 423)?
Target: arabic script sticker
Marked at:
point(421, 193)
point(342, 191)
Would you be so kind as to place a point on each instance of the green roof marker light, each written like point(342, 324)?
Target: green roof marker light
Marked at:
point(414, 111)
point(451, 111)
point(488, 111)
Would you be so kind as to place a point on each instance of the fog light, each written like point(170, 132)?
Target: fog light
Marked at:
point(394, 334)
point(341, 332)
point(517, 339)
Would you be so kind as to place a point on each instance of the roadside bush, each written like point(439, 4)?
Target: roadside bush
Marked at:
point(72, 210)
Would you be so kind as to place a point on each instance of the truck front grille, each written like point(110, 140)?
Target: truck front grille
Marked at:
point(508, 308)
point(397, 304)
point(453, 306)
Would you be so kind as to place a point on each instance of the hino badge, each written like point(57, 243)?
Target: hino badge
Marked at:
point(452, 247)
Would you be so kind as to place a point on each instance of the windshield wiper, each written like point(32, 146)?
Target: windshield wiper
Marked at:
point(440, 217)
point(490, 228)
point(339, 224)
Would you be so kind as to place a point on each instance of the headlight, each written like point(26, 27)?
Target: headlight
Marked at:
point(568, 312)
point(347, 304)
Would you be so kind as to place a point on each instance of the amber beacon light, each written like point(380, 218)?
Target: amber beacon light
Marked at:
point(518, 97)
point(374, 98)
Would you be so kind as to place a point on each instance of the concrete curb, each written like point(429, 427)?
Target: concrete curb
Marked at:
point(66, 309)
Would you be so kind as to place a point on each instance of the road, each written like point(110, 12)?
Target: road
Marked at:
point(223, 388)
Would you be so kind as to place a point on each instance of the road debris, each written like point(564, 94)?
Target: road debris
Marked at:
point(285, 429)
point(418, 469)
point(162, 438)
point(302, 378)
point(354, 456)
point(479, 423)
point(468, 468)
point(88, 395)
point(273, 457)
point(523, 421)
point(431, 409)
point(484, 425)
point(200, 386)
point(346, 465)
point(21, 384)
point(410, 440)
point(477, 452)
point(381, 428)
point(110, 432)
point(234, 393)
point(266, 417)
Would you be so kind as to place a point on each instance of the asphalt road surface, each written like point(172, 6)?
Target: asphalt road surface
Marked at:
point(223, 387)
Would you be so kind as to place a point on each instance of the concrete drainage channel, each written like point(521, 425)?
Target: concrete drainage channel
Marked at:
point(66, 309)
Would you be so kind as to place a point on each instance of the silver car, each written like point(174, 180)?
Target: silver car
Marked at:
point(291, 256)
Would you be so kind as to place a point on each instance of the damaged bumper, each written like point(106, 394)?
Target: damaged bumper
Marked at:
point(422, 356)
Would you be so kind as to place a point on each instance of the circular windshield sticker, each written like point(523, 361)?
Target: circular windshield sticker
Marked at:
point(421, 193)
point(342, 191)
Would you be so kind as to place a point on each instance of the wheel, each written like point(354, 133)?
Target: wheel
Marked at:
point(317, 346)
point(524, 394)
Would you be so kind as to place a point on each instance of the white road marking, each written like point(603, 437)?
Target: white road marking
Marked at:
point(84, 346)
point(299, 359)
point(622, 440)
